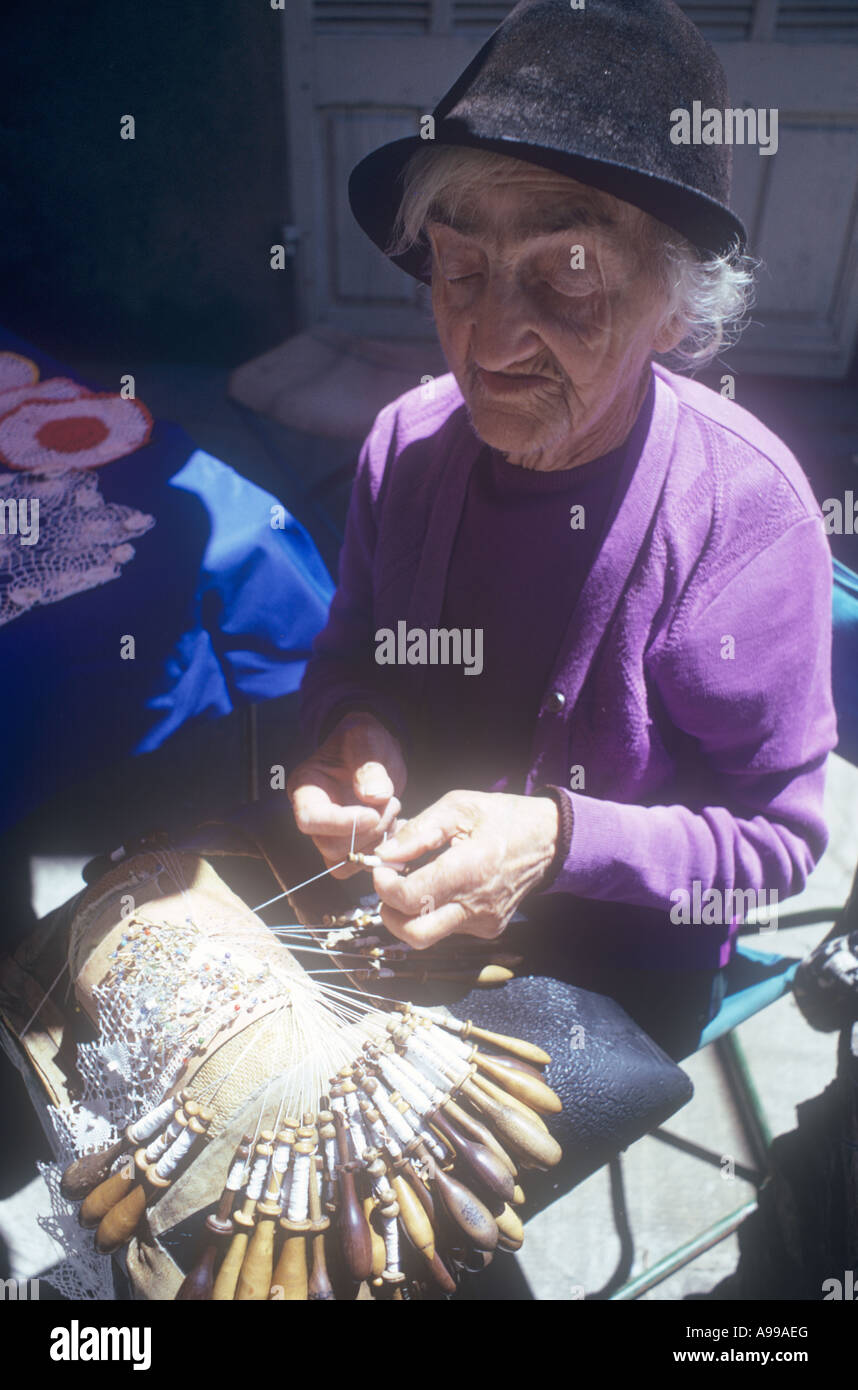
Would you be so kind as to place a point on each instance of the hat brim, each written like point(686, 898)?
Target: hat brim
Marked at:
point(375, 192)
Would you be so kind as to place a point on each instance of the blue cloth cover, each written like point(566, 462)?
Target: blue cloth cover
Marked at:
point(223, 608)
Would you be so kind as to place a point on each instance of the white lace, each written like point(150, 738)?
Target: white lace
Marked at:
point(83, 541)
point(123, 1076)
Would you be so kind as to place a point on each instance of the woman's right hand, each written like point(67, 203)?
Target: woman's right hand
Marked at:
point(351, 784)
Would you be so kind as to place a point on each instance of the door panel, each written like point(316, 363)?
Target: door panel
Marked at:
point(361, 72)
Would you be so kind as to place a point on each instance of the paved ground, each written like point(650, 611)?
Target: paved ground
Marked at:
point(659, 1195)
point(670, 1195)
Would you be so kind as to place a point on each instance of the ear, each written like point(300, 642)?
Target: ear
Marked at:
point(668, 336)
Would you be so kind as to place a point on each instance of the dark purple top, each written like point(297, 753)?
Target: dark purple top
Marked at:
point(485, 723)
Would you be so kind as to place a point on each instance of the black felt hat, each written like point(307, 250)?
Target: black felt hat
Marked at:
point(588, 93)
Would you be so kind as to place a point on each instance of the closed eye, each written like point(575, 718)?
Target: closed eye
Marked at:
point(572, 290)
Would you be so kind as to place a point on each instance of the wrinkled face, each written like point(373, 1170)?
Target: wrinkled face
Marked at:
point(548, 309)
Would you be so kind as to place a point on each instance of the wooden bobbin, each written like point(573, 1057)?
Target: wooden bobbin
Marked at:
point(257, 1269)
point(119, 1224)
point(389, 1211)
point(464, 1208)
point(85, 1174)
point(412, 1212)
point(244, 1216)
point(506, 1097)
point(327, 1132)
point(291, 1276)
point(379, 1255)
point(510, 1228)
point(475, 1129)
point(198, 1284)
point(195, 1126)
point(228, 1275)
point(523, 1133)
point(483, 1165)
point(319, 1288)
point(515, 1047)
point(436, 1269)
point(530, 1089)
point(220, 1222)
point(111, 1206)
point(82, 1176)
point(106, 1195)
point(142, 1162)
point(121, 1221)
point(354, 1232)
point(291, 1279)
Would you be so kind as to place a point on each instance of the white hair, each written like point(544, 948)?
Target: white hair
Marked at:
point(706, 295)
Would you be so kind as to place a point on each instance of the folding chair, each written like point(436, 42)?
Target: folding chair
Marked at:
point(756, 979)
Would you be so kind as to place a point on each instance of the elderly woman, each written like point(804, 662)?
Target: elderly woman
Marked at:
point(583, 612)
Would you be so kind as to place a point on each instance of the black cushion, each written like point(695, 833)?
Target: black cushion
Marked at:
point(615, 1083)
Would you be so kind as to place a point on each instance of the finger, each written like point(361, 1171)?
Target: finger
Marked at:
point(453, 874)
point(372, 783)
point(390, 815)
point(431, 830)
point(332, 848)
point(316, 814)
point(337, 847)
point(421, 932)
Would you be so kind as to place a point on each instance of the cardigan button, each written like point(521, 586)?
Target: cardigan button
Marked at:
point(556, 701)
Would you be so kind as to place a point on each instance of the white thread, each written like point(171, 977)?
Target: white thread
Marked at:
point(149, 1124)
point(278, 896)
point(391, 1244)
point(449, 1043)
point(382, 1190)
point(45, 997)
point(430, 1071)
point(355, 1123)
point(420, 1049)
point(398, 1123)
point(383, 1139)
point(398, 1081)
point(163, 1142)
point(330, 1156)
point(300, 1195)
point(407, 1068)
point(286, 1187)
point(256, 1181)
point(176, 1153)
point(280, 1161)
point(236, 1175)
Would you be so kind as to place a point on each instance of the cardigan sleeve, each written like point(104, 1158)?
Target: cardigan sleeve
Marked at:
point(745, 673)
point(342, 675)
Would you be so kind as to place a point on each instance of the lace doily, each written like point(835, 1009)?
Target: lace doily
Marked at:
point(58, 536)
point(82, 542)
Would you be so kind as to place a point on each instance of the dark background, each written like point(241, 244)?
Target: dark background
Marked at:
point(157, 245)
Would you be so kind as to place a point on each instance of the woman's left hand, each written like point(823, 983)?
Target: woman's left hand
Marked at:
point(495, 850)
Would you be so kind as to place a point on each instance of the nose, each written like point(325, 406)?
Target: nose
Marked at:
point(504, 331)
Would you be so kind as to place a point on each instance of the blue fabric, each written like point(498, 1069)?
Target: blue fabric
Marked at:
point(223, 608)
point(263, 594)
point(844, 660)
point(755, 979)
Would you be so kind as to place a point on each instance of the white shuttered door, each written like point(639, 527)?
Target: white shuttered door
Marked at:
point(361, 72)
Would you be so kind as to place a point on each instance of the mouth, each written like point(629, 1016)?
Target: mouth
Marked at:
point(508, 384)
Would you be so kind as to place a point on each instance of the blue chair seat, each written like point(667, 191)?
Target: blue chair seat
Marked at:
point(755, 979)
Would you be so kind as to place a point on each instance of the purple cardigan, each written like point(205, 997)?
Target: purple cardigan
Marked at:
point(699, 768)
